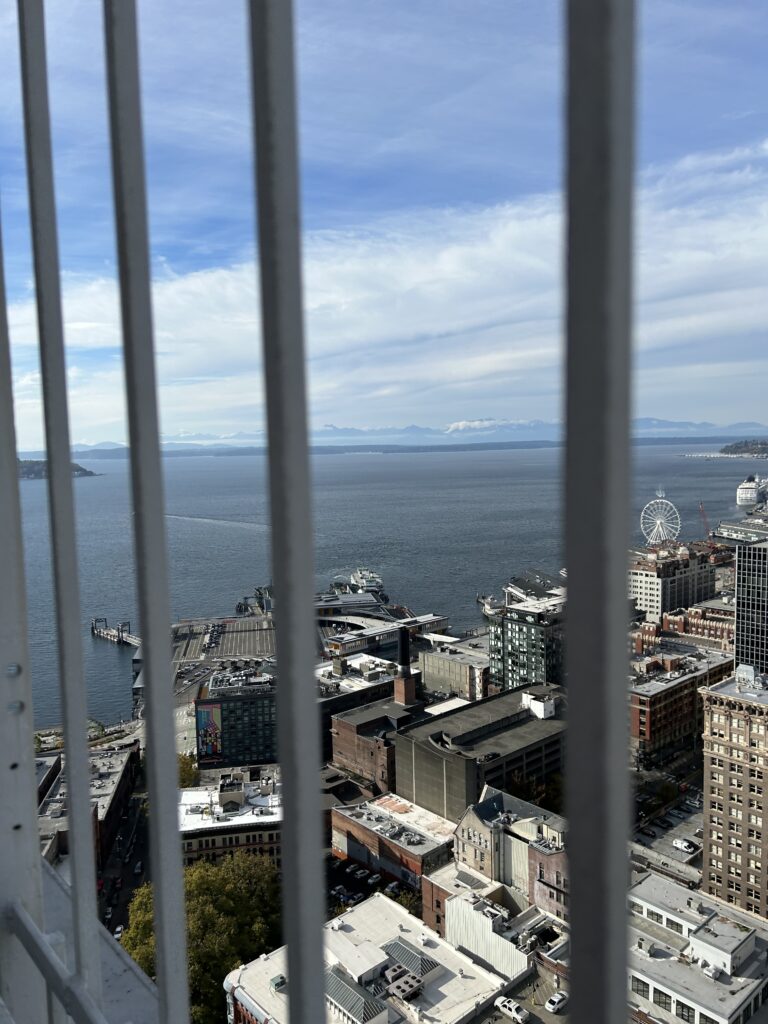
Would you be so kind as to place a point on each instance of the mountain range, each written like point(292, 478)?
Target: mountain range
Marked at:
point(461, 434)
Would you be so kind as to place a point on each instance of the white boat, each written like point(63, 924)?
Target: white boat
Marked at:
point(752, 491)
point(367, 580)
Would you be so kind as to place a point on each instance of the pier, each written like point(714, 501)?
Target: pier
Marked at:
point(120, 634)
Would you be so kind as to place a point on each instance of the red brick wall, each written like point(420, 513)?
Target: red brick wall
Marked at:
point(433, 899)
point(366, 756)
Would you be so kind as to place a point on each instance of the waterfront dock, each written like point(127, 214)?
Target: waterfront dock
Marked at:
point(119, 634)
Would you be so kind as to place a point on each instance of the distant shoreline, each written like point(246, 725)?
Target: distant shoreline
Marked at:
point(215, 451)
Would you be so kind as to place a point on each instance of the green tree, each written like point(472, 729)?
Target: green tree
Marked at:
point(411, 901)
point(188, 773)
point(233, 916)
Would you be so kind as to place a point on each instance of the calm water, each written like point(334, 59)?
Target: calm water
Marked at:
point(439, 527)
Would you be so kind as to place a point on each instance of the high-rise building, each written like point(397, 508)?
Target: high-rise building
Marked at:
point(751, 636)
point(662, 581)
point(735, 864)
point(526, 635)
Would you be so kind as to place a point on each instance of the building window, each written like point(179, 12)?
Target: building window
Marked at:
point(662, 999)
point(674, 926)
point(684, 1011)
point(653, 915)
point(641, 987)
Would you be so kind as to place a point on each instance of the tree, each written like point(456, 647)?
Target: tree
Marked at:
point(411, 901)
point(233, 916)
point(188, 773)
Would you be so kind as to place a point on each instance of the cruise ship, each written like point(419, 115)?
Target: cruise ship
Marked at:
point(752, 491)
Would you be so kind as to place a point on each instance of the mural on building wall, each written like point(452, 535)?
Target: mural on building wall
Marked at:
point(208, 733)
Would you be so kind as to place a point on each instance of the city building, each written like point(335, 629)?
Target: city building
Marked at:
point(711, 623)
point(239, 813)
point(751, 637)
point(665, 710)
point(236, 714)
point(504, 741)
point(526, 635)
point(693, 959)
point(504, 840)
point(664, 579)
point(392, 837)
point(113, 776)
point(458, 667)
point(363, 739)
point(383, 966)
point(735, 851)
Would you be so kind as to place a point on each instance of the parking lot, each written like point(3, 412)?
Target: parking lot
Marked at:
point(683, 821)
point(531, 994)
point(343, 874)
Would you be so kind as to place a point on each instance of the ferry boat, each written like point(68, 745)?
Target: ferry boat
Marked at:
point(751, 491)
point(367, 580)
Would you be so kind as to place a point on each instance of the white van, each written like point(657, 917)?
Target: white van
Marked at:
point(684, 845)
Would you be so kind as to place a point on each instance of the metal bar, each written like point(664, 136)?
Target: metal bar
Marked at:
point(69, 989)
point(45, 249)
point(21, 987)
point(277, 184)
point(147, 485)
point(600, 112)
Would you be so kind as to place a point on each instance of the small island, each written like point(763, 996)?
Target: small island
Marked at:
point(31, 469)
point(754, 447)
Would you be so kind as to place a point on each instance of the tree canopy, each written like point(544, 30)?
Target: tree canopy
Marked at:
point(188, 773)
point(233, 916)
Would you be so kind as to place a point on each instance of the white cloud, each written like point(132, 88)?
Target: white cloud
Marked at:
point(441, 316)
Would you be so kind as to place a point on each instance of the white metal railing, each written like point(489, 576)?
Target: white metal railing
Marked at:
point(35, 981)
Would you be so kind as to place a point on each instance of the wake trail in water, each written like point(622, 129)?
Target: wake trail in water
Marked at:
point(258, 527)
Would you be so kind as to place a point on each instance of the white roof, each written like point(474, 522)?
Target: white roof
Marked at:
point(458, 991)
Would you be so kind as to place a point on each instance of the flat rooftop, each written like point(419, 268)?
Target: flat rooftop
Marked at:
point(695, 662)
point(496, 805)
point(107, 767)
point(380, 711)
point(199, 808)
point(472, 651)
point(720, 926)
point(442, 706)
point(403, 823)
point(753, 693)
point(454, 988)
point(495, 725)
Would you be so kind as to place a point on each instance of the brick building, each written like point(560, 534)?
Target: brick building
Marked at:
point(662, 580)
point(392, 837)
point(665, 709)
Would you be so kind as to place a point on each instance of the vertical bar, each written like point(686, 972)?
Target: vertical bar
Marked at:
point(21, 987)
point(600, 110)
point(147, 486)
point(277, 180)
point(45, 249)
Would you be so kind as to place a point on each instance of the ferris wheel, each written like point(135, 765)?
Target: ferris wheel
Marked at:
point(660, 520)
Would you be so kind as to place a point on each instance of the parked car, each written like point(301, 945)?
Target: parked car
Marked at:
point(557, 1002)
point(374, 879)
point(664, 823)
point(119, 932)
point(651, 833)
point(510, 1008)
point(352, 867)
point(138, 867)
point(339, 890)
point(108, 915)
point(684, 844)
point(361, 874)
point(118, 884)
point(675, 813)
point(114, 899)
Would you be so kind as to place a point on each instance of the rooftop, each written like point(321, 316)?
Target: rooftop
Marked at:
point(107, 767)
point(747, 687)
point(683, 964)
point(695, 661)
point(497, 806)
point(387, 714)
point(494, 726)
point(472, 651)
point(202, 807)
point(450, 704)
point(403, 823)
point(447, 987)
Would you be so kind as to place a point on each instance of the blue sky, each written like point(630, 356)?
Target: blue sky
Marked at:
point(431, 142)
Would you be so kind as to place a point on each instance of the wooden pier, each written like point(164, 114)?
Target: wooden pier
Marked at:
point(120, 634)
